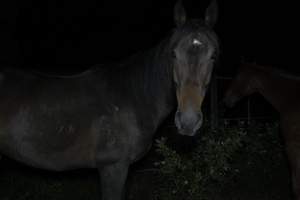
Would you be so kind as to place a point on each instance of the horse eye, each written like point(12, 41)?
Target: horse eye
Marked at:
point(206, 85)
point(173, 54)
point(176, 84)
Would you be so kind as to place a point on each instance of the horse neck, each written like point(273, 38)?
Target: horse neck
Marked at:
point(273, 89)
point(161, 83)
point(153, 84)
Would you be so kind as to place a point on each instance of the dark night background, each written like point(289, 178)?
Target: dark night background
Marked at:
point(68, 36)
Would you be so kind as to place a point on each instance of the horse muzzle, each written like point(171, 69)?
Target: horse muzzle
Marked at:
point(188, 122)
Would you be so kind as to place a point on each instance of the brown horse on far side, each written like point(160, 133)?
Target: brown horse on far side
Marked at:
point(282, 90)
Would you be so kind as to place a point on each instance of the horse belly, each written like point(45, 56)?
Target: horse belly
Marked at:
point(44, 156)
point(53, 146)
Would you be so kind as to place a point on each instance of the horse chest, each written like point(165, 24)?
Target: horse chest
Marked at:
point(290, 127)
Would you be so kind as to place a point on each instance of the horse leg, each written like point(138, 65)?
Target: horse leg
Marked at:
point(293, 152)
point(113, 178)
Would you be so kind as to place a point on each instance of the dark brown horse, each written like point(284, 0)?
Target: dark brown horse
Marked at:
point(106, 118)
point(282, 91)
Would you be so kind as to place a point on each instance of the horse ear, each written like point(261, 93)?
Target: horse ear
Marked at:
point(211, 14)
point(179, 14)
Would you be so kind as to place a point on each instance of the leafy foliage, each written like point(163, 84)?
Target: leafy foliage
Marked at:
point(201, 174)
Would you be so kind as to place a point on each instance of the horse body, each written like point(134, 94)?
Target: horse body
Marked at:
point(58, 124)
point(62, 124)
point(106, 118)
point(281, 90)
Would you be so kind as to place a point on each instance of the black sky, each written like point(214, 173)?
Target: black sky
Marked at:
point(69, 35)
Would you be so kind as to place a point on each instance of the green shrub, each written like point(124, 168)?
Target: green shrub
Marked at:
point(218, 158)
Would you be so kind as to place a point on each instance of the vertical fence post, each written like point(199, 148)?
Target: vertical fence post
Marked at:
point(248, 111)
point(214, 102)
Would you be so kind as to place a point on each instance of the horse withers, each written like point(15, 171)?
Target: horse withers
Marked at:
point(106, 118)
point(281, 90)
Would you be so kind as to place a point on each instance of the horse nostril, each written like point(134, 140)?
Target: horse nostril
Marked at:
point(178, 119)
point(184, 126)
point(199, 116)
point(178, 113)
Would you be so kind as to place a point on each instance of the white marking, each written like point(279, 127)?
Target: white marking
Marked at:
point(196, 42)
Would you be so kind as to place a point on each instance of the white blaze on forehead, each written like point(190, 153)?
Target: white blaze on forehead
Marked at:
point(197, 42)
